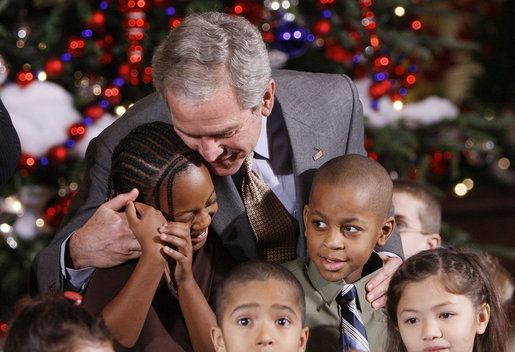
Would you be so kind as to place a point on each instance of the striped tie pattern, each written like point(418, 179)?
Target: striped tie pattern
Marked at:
point(353, 331)
point(271, 222)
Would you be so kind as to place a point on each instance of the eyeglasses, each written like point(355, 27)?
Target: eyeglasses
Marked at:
point(403, 228)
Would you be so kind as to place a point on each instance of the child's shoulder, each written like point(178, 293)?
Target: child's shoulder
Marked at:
point(297, 266)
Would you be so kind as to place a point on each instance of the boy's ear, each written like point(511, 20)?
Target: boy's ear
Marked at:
point(217, 338)
point(386, 231)
point(433, 240)
point(303, 339)
point(483, 317)
point(305, 213)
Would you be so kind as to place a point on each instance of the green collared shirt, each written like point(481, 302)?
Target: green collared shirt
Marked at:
point(323, 312)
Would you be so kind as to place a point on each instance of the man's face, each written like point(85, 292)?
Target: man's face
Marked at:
point(342, 230)
point(261, 316)
point(407, 218)
point(219, 129)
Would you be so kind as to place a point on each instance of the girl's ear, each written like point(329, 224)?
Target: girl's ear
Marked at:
point(483, 317)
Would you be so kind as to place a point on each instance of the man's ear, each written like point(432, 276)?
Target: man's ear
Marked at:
point(386, 231)
point(218, 339)
point(433, 240)
point(305, 217)
point(268, 98)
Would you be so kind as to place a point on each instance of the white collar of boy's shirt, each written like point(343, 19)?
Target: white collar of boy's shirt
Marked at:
point(261, 147)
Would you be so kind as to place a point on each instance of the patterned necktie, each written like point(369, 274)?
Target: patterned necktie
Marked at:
point(353, 331)
point(275, 233)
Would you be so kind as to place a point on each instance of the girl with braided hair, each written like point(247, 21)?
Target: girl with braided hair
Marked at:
point(163, 300)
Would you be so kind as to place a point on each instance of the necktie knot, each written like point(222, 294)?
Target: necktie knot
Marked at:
point(247, 163)
point(348, 293)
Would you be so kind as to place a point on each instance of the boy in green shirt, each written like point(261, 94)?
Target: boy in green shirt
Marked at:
point(346, 217)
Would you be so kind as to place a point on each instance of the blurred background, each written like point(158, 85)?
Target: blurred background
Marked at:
point(435, 78)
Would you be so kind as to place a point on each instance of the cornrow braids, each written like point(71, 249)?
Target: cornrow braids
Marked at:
point(145, 158)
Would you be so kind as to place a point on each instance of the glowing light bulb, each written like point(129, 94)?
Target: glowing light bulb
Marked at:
point(40, 222)
point(5, 228)
point(503, 163)
point(399, 11)
point(42, 76)
point(460, 189)
point(398, 105)
point(469, 183)
point(120, 110)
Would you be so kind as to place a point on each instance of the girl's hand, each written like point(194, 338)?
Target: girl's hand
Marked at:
point(144, 222)
point(177, 235)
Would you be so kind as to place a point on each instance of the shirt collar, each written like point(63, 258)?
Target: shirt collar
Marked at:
point(261, 147)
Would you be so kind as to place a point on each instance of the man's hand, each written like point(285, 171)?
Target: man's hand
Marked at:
point(105, 240)
point(378, 285)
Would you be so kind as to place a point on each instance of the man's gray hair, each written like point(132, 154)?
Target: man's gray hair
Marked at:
point(208, 50)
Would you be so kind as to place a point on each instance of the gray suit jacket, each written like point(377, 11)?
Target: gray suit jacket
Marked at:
point(322, 113)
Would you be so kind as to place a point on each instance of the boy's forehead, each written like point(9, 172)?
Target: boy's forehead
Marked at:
point(262, 293)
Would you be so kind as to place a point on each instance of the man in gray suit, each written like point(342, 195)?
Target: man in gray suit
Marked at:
point(214, 80)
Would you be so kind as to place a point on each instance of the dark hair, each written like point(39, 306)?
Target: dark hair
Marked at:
point(431, 215)
point(360, 172)
point(461, 272)
point(257, 270)
point(50, 323)
point(145, 158)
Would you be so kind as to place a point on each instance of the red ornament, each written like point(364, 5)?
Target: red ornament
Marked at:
point(410, 80)
point(131, 5)
point(174, 21)
point(439, 165)
point(124, 71)
point(416, 25)
point(75, 46)
point(94, 112)
point(147, 75)
point(373, 156)
point(396, 97)
point(97, 20)
point(54, 67)
point(359, 71)
point(379, 89)
point(57, 155)
point(251, 10)
point(268, 36)
point(335, 52)
point(56, 209)
point(27, 164)
point(321, 27)
point(135, 53)
point(24, 78)
point(3, 329)
point(112, 94)
point(369, 144)
point(161, 3)
point(77, 131)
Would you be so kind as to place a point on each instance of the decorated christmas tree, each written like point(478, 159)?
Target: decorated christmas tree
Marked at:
point(434, 77)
